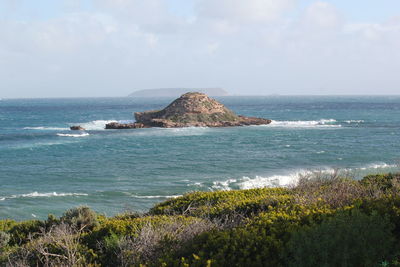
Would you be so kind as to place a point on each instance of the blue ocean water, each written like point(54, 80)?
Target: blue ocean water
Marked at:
point(46, 168)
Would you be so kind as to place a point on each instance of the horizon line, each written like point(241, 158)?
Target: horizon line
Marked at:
point(230, 95)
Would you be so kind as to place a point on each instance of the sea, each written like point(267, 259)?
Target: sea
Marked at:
point(47, 168)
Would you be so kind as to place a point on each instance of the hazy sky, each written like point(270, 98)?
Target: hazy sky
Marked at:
point(112, 47)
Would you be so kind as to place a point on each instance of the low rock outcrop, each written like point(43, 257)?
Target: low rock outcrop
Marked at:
point(117, 125)
point(190, 110)
point(77, 128)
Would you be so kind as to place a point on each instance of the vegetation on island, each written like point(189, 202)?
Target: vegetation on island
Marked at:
point(325, 220)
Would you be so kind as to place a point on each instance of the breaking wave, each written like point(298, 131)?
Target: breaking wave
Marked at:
point(73, 135)
point(42, 128)
point(150, 197)
point(38, 195)
point(323, 123)
point(284, 180)
point(354, 121)
point(378, 166)
point(96, 125)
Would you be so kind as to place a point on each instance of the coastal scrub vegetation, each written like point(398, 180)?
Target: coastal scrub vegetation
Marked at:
point(325, 220)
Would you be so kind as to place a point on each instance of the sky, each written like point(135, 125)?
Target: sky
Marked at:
point(96, 48)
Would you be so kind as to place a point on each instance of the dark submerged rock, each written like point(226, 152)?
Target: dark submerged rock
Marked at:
point(116, 125)
point(77, 128)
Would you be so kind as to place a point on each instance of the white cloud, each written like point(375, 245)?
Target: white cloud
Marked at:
point(244, 10)
point(150, 15)
point(386, 32)
point(246, 46)
point(322, 15)
point(213, 47)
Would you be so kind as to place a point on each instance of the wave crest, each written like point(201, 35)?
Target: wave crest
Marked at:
point(37, 194)
point(292, 178)
point(73, 135)
point(43, 128)
point(150, 197)
point(96, 125)
point(323, 123)
point(354, 121)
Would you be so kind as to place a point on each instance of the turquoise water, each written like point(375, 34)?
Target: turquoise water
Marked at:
point(45, 168)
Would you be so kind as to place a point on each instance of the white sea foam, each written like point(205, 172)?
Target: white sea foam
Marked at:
point(95, 125)
point(381, 165)
point(195, 184)
point(354, 121)
point(52, 194)
point(38, 195)
point(73, 135)
point(32, 146)
point(98, 125)
point(42, 128)
point(185, 131)
point(284, 180)
point(323, 123)
point(224, 185)
point(256, 182)
point(149, 197)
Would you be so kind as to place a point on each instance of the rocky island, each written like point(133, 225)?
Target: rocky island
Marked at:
point(190, 110)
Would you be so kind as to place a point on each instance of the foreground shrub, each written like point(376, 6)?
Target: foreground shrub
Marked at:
point(331, 189)
point(380, 184)
point(6, 225)
point(60, 246)
point(260, 242)
point(350, 238)
point(21, 232)
point(143, 240)
point(129, 227)
point(154, 242)
point(386, 206)
point(4, 239)
point(224, 205)
point(81, 218)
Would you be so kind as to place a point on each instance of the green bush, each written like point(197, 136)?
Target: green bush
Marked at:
point(6, 225)
point(82, 218)
point(335, 191)
point(224, 203)
point(386, 183)
point(111, 231)
point(388, 206)
point(259, 242)
point(21, 231)
point(349, 238)
point(4, 239)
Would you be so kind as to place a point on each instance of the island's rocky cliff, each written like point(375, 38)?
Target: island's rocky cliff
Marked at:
point(190, 110)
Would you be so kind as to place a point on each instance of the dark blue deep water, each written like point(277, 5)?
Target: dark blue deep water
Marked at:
point(46, 168)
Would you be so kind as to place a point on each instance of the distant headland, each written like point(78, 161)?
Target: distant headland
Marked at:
point(192, 109)
point(176, 92)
